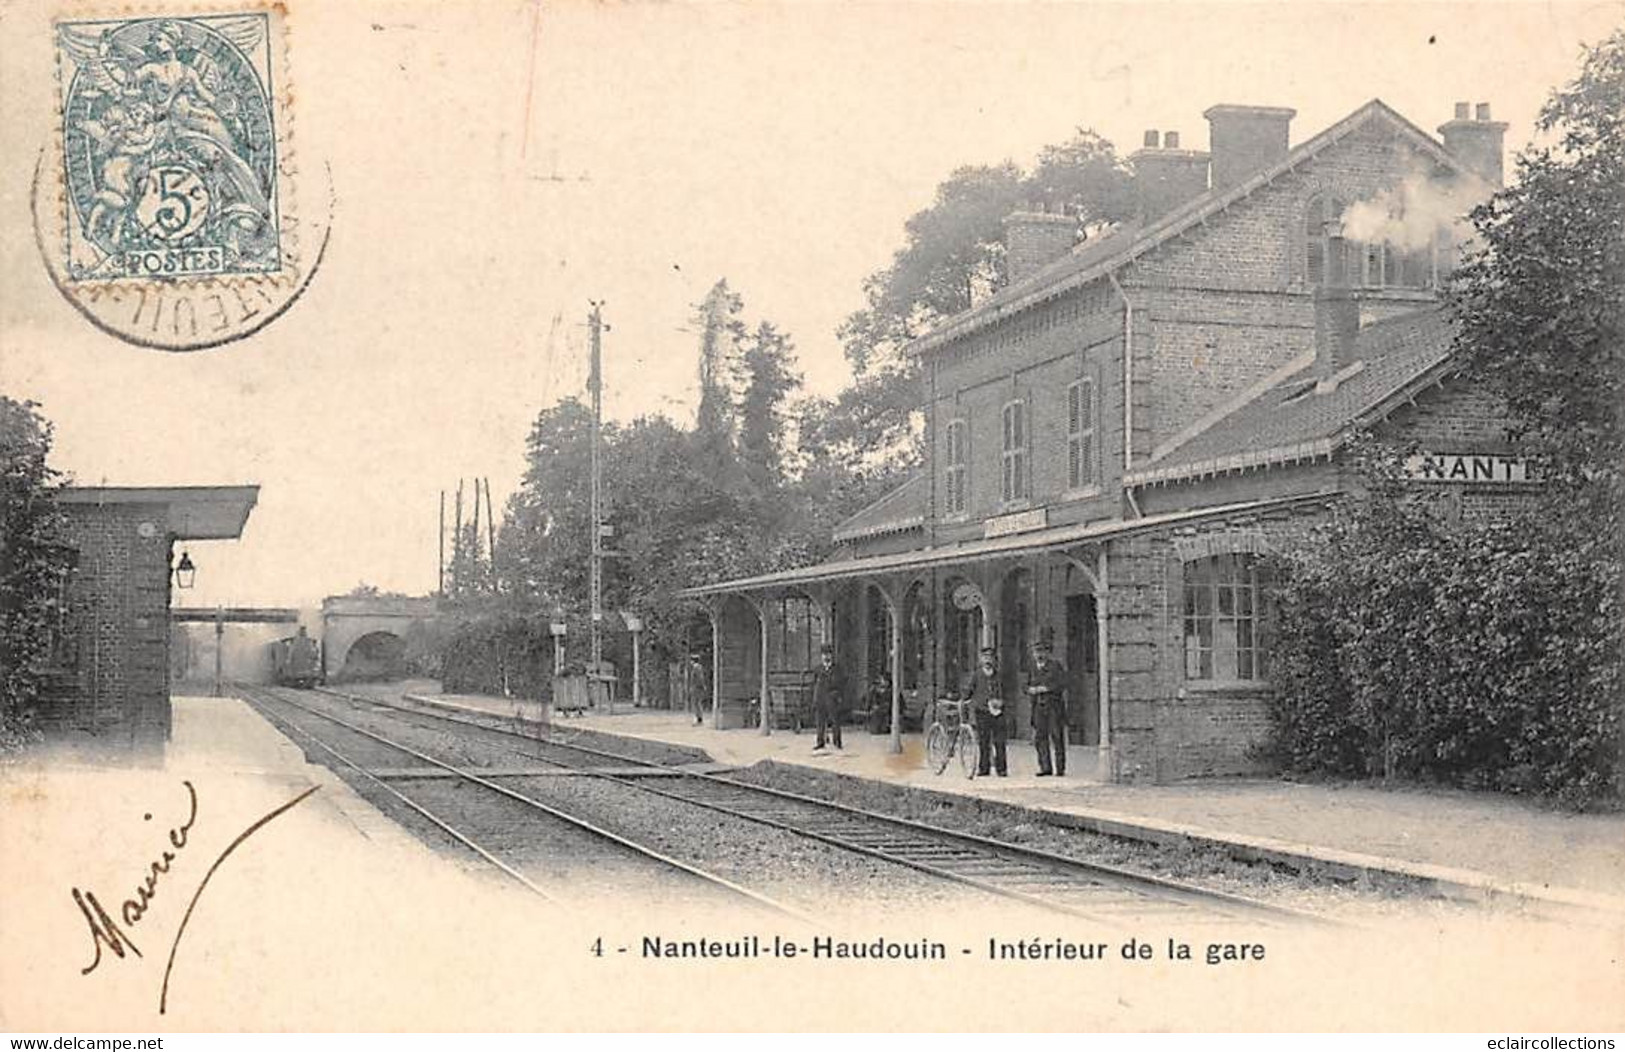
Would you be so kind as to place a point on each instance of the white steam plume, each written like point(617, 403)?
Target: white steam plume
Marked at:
point(1410, 215)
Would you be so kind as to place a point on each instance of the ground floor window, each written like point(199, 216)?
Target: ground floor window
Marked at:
point(962, 642)
point(795, 629)
point(1225, 623)
point(916, 637)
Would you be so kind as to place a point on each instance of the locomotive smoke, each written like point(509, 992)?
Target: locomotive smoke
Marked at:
point(1409, 215)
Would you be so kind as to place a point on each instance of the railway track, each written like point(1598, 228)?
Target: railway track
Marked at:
point(529, 841)
point(1056, 883)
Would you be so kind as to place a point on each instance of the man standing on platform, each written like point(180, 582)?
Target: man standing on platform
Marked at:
point(699, 687)
point(981, 695)
point(826, 696)
point(1046, 689)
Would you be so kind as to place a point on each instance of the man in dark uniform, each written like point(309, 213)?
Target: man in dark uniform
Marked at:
point(1046, 689)
point(826, 696)
point(981, 693)
point(699, 687)
point(879, 703)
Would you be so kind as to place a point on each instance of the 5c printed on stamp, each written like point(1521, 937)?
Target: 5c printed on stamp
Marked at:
point(176, 222)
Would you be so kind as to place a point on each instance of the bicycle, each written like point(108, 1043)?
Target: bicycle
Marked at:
point(951, 733)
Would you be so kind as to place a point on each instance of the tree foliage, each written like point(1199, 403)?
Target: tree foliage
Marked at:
point(1482, 654)
point(952, 255)
point(32, 562)
point(1540, 302)
point(715, 423)
point(1490, 653)
point(768, 362)
point(736, 495)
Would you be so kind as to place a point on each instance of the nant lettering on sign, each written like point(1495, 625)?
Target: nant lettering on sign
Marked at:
point(1467, 467)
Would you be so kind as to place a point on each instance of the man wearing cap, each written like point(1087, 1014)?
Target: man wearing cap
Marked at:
point(981, 693)
point(699, 687)
point(1046, 689)
point(826, 696)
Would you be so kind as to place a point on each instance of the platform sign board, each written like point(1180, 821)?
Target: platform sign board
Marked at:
point(1020, 522)
point(1494, 468)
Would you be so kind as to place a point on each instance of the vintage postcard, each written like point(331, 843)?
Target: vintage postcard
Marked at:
point(544, 515)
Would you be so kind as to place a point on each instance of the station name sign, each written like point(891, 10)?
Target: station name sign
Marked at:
point(1020, 522)
point(1467, 467)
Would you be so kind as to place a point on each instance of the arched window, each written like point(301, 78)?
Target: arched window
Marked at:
point(916, 637)
point(1226, 627)
point(1331, 258)
point(795, 627)
point(1326, 253)
point(962, 633)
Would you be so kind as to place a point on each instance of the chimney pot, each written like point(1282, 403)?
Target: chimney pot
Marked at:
point(1246, 139)
point(1337, 328)
point(1151, 140)
point(1476, 143)
point(1034, 238)
point(1166, 178)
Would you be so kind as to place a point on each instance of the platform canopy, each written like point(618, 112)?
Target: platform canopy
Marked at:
point(196, 513)
point(992, 547)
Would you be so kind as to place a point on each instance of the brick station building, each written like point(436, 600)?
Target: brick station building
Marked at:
point(1116, 436)
point(108, 672)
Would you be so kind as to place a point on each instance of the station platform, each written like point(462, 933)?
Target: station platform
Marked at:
point(278, 919)
point(1474, 846)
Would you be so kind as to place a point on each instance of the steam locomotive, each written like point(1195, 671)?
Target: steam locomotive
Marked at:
point(296, 661)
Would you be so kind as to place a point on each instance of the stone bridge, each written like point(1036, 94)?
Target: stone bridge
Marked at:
point(366, 635)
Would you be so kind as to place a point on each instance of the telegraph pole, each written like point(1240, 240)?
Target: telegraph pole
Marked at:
point(491, 530)
point(595, 382)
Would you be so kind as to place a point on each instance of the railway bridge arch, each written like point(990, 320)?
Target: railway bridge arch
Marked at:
point(367, 634)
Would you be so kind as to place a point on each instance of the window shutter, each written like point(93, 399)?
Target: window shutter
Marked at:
point(1026, 448)
point(1086, 446)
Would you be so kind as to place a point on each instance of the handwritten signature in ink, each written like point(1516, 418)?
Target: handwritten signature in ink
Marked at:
point(105, 930)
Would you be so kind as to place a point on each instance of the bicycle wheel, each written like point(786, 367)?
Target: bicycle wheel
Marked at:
point(938, 748)
point(967, 748)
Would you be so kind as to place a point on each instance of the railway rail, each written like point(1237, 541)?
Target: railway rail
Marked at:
point(1057, 883)
point(507, 836)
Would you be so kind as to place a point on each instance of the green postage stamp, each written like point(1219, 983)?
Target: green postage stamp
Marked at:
point(169, 147)
point(176, 221)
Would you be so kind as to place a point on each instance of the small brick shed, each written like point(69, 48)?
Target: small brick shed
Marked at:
point(109, 659)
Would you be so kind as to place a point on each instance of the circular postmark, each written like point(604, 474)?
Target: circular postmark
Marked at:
point(170, 213)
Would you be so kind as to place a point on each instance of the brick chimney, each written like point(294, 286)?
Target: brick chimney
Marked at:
point(1476, 141)
point(1165, 176)
point(1337, 327)
point(1245, 139)
point(1034, 237)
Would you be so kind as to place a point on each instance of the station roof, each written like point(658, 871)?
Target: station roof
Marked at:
point(899, 511)
point(988, 548)
point(1298, 419)
point(1093, 259)
point(196, 513)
